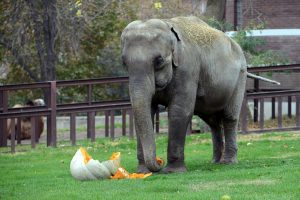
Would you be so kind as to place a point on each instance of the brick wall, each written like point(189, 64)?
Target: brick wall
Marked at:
point(277, 14)
point(289, 46)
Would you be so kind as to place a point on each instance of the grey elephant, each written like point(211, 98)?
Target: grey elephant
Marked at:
point(191, 68)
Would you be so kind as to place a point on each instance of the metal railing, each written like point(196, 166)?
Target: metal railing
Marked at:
point(52, 109)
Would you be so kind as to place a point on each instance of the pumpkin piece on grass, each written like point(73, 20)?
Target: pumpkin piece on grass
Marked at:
point(159, 161)
point(123, 174)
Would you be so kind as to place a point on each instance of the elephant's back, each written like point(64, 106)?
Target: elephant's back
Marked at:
point(196, 31)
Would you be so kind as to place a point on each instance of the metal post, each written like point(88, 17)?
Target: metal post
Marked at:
point(92, 126)
point(89, 115)
point(13, 135)
point(289, 106)
point(255, 110)
point(273, 108)
point(298, 111)
point(261, 114)
point(107, 123)
point(33, 130)
point(18, 131)
point(53, 112)
point(3, 122)
point(49, 123)
point(279, 112)
point(73, 128)
point(37, 125)
point(112, 124)
point(124, 122)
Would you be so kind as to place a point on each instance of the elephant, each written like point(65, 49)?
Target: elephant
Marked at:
point(192, 69)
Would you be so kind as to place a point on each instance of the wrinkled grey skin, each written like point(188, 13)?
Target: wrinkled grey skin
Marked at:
point(165, 68)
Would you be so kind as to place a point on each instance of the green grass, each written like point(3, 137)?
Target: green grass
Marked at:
point(268, 168)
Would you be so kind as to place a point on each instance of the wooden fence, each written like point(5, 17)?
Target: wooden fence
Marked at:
point(52, 108)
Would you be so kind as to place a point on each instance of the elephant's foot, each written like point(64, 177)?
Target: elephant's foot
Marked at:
point(217, 157)
point(142, 169)
point(174, 168)
point(229, 160)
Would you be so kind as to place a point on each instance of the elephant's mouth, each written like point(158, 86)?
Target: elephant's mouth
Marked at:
point(160, 87)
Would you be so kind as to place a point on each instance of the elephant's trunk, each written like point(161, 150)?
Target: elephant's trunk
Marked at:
point(141, 93)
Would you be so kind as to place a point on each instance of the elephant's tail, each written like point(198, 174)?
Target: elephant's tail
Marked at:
point(262, 78)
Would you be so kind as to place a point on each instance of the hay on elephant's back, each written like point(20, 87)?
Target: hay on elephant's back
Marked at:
point(201, 33)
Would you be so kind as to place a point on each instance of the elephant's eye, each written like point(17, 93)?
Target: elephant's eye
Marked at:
point(158, 62)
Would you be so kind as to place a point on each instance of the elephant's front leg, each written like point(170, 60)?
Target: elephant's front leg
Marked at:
point(179, 117)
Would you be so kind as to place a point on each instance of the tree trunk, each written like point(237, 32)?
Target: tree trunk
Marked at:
point(45, 31)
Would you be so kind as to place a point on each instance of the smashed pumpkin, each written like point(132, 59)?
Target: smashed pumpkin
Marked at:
point(84, 167)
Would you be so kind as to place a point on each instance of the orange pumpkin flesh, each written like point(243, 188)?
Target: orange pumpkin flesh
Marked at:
point(122, 174)
point(159, 161)
point(115, 156)
point(86, 156)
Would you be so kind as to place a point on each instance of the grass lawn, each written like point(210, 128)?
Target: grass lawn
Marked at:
point(268, 168)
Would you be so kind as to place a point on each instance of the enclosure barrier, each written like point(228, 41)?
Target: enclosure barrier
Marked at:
point(291, 95)
point(52, 108)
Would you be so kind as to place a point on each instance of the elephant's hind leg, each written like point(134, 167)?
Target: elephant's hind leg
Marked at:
point(230, 123)
point(214, 123)
point(230, 153)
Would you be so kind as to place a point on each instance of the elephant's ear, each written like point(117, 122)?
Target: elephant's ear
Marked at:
point(176, 40)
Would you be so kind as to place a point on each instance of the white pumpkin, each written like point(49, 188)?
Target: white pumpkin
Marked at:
point(84, 167)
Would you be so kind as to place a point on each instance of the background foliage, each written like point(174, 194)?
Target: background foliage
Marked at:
point(82, 40)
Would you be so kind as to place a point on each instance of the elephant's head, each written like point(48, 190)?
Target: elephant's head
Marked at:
point(150, 53)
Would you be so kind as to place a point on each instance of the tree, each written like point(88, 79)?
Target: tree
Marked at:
point(25, 22)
